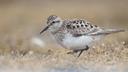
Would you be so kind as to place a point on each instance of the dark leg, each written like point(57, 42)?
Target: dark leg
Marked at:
point(79, 50)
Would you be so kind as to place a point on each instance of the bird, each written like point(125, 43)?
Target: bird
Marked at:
point(77, 35)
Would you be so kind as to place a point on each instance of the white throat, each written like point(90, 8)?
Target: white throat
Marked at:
point(55, 28)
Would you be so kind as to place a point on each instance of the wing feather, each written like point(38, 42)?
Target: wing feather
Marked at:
point(79, 27)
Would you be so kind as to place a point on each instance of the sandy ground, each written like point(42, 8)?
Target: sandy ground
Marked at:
point(105, 57)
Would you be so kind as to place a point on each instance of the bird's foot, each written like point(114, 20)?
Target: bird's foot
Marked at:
point(78, 50)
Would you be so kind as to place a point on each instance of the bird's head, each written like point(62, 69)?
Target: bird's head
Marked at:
point(53, 23)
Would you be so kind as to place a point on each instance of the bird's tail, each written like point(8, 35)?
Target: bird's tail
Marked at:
point(107, 31)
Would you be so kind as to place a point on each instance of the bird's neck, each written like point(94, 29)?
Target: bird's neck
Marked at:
point(54, 31)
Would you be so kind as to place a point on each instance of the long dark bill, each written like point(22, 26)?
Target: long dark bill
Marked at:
point(45, 29)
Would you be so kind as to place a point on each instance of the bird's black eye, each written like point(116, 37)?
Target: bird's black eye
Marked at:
point(53, 22)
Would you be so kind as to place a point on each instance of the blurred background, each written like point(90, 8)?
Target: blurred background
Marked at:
point(20, 42)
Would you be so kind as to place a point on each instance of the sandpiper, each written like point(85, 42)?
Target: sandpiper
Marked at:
point(77, 35)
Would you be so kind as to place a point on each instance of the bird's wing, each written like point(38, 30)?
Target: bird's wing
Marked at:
point(80, 27)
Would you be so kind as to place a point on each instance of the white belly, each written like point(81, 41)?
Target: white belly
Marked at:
point(81, 42)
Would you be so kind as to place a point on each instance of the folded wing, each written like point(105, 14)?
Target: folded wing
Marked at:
point(80, 27)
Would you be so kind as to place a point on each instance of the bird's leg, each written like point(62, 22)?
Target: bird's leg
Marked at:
point(78, 50)
point(72, 52)
point(81, 51)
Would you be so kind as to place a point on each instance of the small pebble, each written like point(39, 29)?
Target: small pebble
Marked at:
point(30, 52)
point(124, 43)
point(103, 44)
